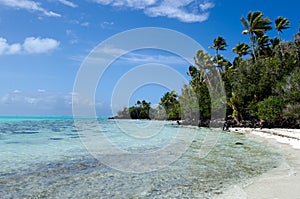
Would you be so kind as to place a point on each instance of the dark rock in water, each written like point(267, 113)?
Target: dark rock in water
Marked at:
point(239, 143)
point(25, 132)
point(56, 138)
point(111, 118)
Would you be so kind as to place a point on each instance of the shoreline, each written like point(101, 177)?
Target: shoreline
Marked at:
point(281, 135)
point(280, 182)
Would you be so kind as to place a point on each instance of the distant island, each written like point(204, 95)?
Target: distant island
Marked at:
point(262, 83)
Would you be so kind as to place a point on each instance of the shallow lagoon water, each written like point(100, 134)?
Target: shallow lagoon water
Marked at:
point(45, 158)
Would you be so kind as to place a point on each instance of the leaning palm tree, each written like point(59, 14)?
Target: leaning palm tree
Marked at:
point(241, 49)
point(263, 45)
point(219, 44)
point(281, 24)
point(256, 24)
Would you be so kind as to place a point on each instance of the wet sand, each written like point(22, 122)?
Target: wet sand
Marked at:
point(282, 182)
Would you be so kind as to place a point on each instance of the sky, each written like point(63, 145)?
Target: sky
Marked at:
point(44, 43)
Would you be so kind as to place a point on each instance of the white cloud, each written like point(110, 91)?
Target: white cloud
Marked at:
point(28, 5)
point(175, 11)
point(39, 45)
point(184, 10)
point(73, 38)
point(14, 49)
point(108, 53)
point(155, 58)
point(85, 24)
point(3, 45)
point(206, 5)
point(106, 24)
point(68, 3)
point(137, 4)
point(41, 90)
point(31, 45)
point(110, 50)
point(17, 91)
point(6, 48)
point(31, 100)
point(139, 57)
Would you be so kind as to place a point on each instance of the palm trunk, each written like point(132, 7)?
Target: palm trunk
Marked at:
point(217, 52)
point(235, 114)
point(280, 44)
point(252, 45)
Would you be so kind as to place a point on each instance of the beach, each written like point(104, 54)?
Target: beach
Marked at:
point(280, 182)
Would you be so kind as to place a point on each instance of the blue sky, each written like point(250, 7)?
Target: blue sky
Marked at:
point(43, 43)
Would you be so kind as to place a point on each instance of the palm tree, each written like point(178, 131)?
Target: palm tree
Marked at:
point(195, 74)
point(169, 100)
point(256, 24)
point(281, 24)
point(241, 49)
point(263, 45)
point(219, 44)
point(146, 106)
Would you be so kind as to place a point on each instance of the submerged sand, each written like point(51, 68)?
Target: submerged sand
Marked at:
point(282, 182)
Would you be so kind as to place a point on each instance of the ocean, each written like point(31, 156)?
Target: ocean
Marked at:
point(59, 157)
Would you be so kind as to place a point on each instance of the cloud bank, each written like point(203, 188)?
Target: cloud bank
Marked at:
point(31, 45)
point(187, 11)
point(42, 102)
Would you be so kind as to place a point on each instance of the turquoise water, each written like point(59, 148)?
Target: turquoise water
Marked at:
point(44, 157)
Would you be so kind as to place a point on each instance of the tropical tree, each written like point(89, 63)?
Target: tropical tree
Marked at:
point(141, 110)
point(199, 89)
point(171, 105)
point(145, 109)
point(263, 45)
point(196, 76)
point(274, 42)
point(265, 86)
point(297, 43)
point(256, 24)
point(189, 105)
point(280, 25)
point(219, 44)
point(270, 108)
point(241, 49)
point(234, 103)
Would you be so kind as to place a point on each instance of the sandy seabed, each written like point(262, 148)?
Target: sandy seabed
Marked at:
point(282, 182)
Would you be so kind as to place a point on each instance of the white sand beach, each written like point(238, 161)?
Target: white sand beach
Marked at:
point(282, 182)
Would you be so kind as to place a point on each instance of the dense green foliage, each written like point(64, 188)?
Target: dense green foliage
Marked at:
point(262, 82)
point(141, 110)
point(169, 102)
point(265, 85)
